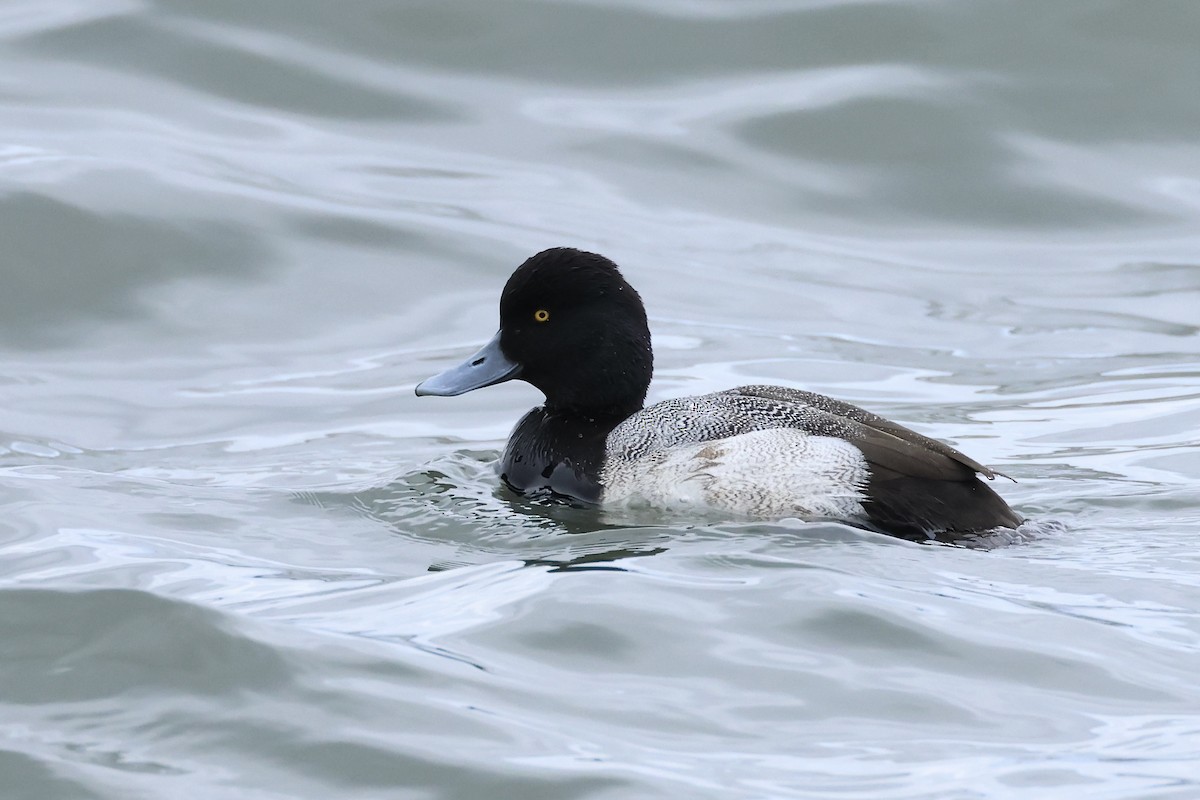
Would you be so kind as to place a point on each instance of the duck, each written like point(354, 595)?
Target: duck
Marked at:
point(574, 328)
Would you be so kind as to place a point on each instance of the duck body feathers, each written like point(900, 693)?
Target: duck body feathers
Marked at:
point(760, 452)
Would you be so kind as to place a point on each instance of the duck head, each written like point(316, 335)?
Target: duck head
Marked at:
point(571, 326)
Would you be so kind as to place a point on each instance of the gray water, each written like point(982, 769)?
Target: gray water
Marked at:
point(239, 559)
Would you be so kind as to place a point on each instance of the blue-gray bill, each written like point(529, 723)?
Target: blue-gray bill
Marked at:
point(485, 368)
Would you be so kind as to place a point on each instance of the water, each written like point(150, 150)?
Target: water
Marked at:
point(239, 559)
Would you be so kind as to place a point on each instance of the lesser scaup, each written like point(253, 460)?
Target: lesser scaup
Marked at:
point(571, 326)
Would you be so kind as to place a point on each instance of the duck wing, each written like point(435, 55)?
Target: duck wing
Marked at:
point(916, 486)
point(895, 446)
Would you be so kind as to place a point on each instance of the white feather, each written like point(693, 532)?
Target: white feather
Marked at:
point(778, 472)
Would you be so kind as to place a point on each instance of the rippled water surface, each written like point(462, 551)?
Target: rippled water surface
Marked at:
point(239, 559)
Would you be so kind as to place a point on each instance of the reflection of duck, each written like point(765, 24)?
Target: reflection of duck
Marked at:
point(571, 326)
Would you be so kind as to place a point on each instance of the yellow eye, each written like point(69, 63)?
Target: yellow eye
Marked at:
point(541, 315)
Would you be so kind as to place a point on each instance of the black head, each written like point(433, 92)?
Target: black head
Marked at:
point(571, 326)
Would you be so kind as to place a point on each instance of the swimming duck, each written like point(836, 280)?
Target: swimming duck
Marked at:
point(571, 326)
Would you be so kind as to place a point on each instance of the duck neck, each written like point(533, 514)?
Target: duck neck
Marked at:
point(601, 396)
point(609, 414)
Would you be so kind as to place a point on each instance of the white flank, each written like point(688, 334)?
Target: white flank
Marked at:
point(781, 472)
